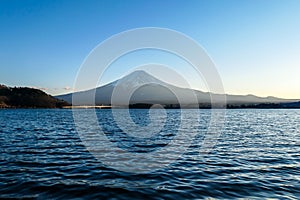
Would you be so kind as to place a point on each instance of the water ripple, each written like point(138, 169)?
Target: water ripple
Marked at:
point(257, 156)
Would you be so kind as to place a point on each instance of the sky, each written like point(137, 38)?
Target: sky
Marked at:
point(254, 44)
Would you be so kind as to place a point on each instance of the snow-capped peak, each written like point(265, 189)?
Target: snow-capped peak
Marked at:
point(138, 78)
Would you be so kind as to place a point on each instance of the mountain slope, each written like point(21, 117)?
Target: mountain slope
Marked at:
point(156, 91)
point(23, 97)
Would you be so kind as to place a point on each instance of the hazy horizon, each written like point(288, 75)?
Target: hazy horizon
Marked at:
point(168, 81)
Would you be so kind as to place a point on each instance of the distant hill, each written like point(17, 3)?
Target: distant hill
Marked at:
point(24, 97)
point(157, 93)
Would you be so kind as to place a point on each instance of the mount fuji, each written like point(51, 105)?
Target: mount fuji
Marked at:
point(150, 90)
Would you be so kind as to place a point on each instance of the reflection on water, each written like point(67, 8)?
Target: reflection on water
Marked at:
point(257, 155)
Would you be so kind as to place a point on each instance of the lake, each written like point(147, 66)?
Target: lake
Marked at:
point(256, 156)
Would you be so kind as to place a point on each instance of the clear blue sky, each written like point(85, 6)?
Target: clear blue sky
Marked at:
point(254, 44)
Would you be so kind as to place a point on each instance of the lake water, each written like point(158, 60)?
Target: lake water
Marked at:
point(257, 156)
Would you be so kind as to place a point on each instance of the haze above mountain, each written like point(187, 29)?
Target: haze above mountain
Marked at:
point(150, 90)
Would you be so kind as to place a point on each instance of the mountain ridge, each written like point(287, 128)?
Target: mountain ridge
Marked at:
point(158, 92)
point(24, 97)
